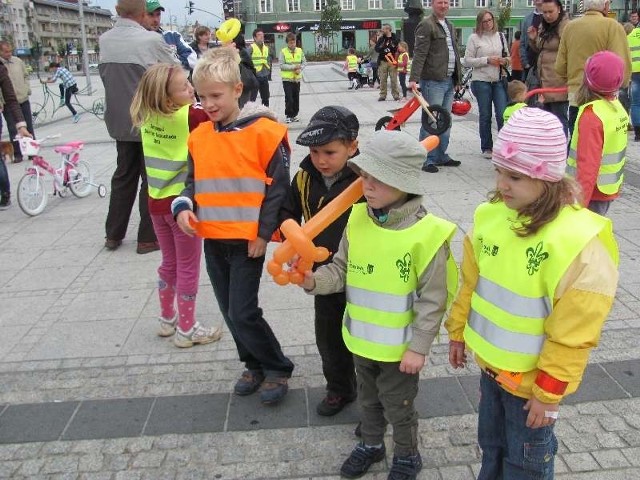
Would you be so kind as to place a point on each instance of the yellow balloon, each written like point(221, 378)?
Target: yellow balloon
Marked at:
point(228, 30)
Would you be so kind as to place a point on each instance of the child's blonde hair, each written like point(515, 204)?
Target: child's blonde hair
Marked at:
point(220, 65)
point(404, 45)
point(152, 95)
point(555, 196)
point(515, 89)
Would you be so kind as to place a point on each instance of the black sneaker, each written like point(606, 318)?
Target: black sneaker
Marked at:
point(430, 168)
point(451, 163)
point(358, 430)
point(332, 404)
point(5, 199)
point(405, 468)
point(273, 390)
point(248, 383)
point(360, 460)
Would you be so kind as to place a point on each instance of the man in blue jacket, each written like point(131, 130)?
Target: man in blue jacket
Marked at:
point(183, 51)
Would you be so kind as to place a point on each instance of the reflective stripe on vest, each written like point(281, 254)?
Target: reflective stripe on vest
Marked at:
point(164, 142)
point(634, 45)
point(291, 59)
point(614, 120)
point(518, 278)
point(380, 288)
point(229, 194)
point(352, 63)
point(259, 57)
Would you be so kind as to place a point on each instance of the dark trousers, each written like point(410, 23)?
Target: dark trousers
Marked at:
point(573, 116)
point(124, 188)
point(402, 78)
point(66, 93)
point(517, 75)
point(291, 98)
point(5, 185)
point(263, 88)
point(236, 279)
point(385, 394)
point(559, 109)
point(11, 125)
point(337, 360)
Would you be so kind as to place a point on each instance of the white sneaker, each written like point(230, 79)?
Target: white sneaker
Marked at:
point(295, 119)
point(198, 335)
point(167, 327)
point(287, 120)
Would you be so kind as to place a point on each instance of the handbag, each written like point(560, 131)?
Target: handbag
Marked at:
point(504, 70)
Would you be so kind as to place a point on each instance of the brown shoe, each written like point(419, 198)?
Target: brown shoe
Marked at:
point(147, 247)
point(112, 244)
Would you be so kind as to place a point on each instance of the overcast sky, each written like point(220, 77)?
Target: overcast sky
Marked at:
point(178, 10)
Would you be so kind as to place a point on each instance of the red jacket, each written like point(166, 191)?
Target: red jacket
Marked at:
point(589, 156)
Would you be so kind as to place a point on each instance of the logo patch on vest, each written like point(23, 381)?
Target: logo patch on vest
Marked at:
point(535, 257)
point(404, 266)
point(361, 269)
point(488, 249)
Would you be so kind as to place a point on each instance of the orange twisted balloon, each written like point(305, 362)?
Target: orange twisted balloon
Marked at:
point(299, 240)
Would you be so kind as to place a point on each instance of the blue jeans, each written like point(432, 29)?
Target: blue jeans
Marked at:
point(488, 93)
point(235, 279)
point(634, 92)
point(437, 93)
point(511, 450)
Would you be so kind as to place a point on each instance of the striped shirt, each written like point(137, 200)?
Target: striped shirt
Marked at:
point(451, 66)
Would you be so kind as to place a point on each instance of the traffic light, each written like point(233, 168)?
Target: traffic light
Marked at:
point(190, 8)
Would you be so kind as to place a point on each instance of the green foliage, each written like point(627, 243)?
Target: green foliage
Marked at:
point(504, 15)
point(330, 20)
point(61, 49)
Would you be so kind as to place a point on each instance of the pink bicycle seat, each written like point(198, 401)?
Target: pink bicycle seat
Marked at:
point(68, 148)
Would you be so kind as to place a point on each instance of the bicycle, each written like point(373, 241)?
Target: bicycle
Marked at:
point(52, 103)
point(73, 174)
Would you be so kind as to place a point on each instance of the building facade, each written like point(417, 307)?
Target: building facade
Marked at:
point(362, 19)
point(40, 30)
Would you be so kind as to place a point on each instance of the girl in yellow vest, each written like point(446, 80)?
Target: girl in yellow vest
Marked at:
point(351, 66)
point(599, 142)
point(539, 278)
point(403, 67)
point(162, 109)
point(396, 268)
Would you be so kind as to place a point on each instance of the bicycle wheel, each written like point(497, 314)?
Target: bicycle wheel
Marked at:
point(32, 196)
point(38, 113)
point(443, 120)
point(80, 179)
point(98, 108)
point(383, 122)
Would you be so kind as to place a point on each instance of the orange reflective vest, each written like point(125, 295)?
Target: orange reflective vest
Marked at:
point(230, 176)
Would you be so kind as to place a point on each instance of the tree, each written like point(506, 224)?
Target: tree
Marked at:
point(504, 15)
point(330, 21)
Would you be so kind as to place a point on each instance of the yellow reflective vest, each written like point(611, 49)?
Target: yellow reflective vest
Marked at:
point(352, 63)
point(614, 120)
point(260, 57)
point(294, 58)
point(634, 45)
point(518, 279)
point(511, 109)
point(164, 141)
point(382, 276)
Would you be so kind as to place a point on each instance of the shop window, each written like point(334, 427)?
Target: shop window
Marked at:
point(293, 5)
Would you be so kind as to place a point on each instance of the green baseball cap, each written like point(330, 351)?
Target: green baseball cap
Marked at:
point(153, 5)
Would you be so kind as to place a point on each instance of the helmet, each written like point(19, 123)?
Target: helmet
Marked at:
point(461, 107)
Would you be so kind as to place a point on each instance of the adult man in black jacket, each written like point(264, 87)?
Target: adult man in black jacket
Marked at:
point(386, 46)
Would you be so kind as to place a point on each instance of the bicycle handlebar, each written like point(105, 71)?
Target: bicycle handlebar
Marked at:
point(40, 141)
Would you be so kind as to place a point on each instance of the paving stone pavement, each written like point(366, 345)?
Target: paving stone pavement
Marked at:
point(88, 391)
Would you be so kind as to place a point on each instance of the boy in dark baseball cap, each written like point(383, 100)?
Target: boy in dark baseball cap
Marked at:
point(332, 138)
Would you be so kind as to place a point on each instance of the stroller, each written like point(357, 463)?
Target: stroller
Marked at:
point(365, 73)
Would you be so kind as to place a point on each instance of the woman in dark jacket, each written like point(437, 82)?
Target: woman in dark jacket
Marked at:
point(201, 44)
